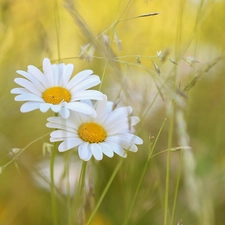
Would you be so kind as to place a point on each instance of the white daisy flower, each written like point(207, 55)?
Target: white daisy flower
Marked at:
point(42, 175)
point(110, 132)
point(54, 89)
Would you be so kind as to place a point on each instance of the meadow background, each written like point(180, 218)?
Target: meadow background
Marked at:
point(119, 42)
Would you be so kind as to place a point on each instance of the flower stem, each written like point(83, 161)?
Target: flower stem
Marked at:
point(166, 209)
point(53, 196)
point(105, 191)
point(67, 156)
point(126, 220)
point(57, 28)
point(81, 182)
point(151, 149)
point(21, 151)
point(177, 186)
point(78, 198)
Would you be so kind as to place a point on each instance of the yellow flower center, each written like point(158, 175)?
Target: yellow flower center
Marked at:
point(55, 95)
point(92, 132)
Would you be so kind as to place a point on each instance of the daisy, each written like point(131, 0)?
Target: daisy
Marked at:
point(54, 89)
point(108, 133)
point(42, 176)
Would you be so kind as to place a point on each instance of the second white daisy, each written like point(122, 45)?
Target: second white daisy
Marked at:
point(110, 132)
point(54, 89)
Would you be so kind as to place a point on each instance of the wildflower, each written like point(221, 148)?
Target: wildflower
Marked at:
point(41, 175)
point(110, 132)
point(54, 89)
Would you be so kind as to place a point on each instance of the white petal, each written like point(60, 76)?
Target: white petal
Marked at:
point(134, 120)
point(28, 97)
point(125, 144)
point(100, 106)
point(133, 148)
point(96, 151)
point(29, 106)
point(55, 70)
point(89, 94)
point(32, 79)
point(132, 138)
point(61, 67)
point(56, 108)
point(88, 83)
point(69, 143)
point(109, 107)
point(64, 123)
point(121, 112)
point(103, 118)
point(64, 112)
point(87, 101)
point(19, 91)
point(59, 126)
point(67, 73)
point(84, 151)
point(79, 118)
point(38, 75)
point(78, 78)
point(81, 107)
point(117, 125)
point(106, 149)
point(117, 149)
point(47, 68)
point(63, 134)
point(44, 107)
point(125, 125)
point(59, 120)
point(53, 139)
point(28, 85)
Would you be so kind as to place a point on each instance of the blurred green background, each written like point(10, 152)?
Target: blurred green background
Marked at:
point(59, 30)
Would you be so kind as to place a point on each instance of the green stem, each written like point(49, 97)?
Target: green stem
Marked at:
point(81, 181)
point(78, 192)
point(136, 193)
point(20, 152)
point(53, 196)
point(103, 75)
point(166, 209)
point(177, 186)
point(67, 156)
point(57, 28)
point(105, 191)
point(151, 149)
